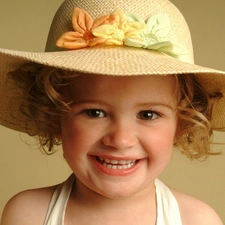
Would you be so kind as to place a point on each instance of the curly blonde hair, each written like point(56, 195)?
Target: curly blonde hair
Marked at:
point(45, 101)
point(194, 112)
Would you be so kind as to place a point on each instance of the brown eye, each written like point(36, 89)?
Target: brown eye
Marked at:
point(94, 113)
point(147, 115)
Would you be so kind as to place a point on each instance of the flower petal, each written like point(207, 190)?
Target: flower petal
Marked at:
point(159, 24)
point(74, 45)
point(138, 42)
point(180, 52)
point(109, 19)
point(104, 31)
point(81, 20)
point(96, 41)
point(165, 46)
point(134, 28)
point(133, 18)
point(113, 42)
point(71, 40)
point(120, 20)
point(179, 49)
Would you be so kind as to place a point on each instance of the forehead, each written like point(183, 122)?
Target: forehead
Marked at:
point(102, 86)
point(100, 81)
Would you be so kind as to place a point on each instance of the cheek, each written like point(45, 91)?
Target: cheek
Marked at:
point(77, 140)
point(73, 147)
point(160, 153)
point(69, 140)
point(160, 142)
point(72, 132)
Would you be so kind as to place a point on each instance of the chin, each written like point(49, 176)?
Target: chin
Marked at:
point(120, 191)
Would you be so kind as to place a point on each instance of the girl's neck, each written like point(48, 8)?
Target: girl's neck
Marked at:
point(87, 205)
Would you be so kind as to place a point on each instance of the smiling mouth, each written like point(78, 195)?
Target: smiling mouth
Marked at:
point(116, 164)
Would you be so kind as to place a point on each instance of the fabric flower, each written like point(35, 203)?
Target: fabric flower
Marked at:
point(82, 36)
point(122, 28)
point(156, 37)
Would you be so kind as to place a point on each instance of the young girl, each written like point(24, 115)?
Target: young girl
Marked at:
point(120, 94)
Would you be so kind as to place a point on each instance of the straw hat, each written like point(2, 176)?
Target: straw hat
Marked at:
point(144, 37)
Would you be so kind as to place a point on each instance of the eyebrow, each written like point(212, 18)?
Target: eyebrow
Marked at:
point(148, 104)
point(160, 104)
point(75, 102)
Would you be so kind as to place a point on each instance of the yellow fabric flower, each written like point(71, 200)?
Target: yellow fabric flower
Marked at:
point(116, 32)
point(82, 36)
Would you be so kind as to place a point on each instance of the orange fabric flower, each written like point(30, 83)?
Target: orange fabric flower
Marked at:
point(122, 28)
point(82, 36)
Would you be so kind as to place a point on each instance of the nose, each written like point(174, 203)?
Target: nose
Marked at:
point(120, 136)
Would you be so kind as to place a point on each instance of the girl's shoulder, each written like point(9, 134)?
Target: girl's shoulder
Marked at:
point(28, 207)
point(194, 211)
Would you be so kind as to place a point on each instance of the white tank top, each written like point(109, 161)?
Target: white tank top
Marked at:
point(167, 208)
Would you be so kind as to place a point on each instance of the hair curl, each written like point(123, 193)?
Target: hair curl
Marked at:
point(45, 101)
point(194, 113)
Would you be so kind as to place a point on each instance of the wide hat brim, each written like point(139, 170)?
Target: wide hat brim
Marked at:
point(102, 60)
point(105, 60)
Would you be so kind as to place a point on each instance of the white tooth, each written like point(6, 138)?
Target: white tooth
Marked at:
point(124, 166)
point(107, 160)
point(109, 166)
point(114, 161)
point(118, 167)
point(122, 162)
point(117, 164)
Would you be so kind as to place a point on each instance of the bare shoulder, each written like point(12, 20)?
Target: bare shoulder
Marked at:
point(194, 211)
point(28, 207)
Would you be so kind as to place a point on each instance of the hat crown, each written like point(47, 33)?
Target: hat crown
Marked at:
point(144, 9)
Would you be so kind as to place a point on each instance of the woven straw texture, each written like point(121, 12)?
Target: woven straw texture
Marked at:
point(107, 60)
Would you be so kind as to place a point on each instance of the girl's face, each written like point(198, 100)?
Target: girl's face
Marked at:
point(120, 132)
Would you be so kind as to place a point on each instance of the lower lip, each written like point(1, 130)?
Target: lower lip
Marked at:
point(117, 172)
